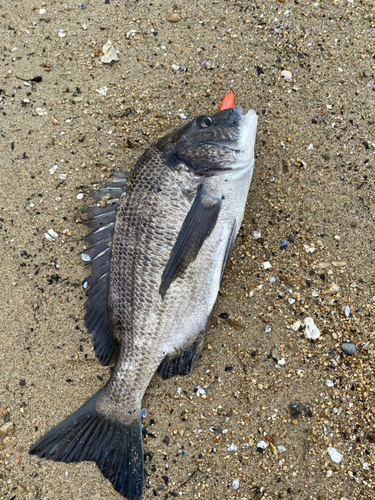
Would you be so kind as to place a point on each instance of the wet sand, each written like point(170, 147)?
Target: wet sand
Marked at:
point(313, 186)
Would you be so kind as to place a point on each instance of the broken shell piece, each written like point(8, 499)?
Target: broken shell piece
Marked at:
point(235, 484)
point(309, 249)
point(110, 53)
point(333, 288)
point(311, 331)
point(102, 91)
point(267, 265)
point(287, 75)
point(339, 263)
point(51, 235)
point(335, 455)
point(262, 445)
point(296, 325)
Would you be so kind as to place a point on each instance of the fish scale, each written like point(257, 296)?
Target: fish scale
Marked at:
point(173, 224)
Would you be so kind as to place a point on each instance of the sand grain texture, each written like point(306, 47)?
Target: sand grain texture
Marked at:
point(313, 186)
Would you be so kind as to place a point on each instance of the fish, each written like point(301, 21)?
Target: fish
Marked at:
point(159, 244)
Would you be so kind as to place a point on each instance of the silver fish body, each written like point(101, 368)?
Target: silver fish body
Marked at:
point(174, 229)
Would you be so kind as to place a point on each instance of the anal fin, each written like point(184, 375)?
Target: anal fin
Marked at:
point(183, 362)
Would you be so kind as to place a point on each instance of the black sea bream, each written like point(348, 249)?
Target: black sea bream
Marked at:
point(173, 226)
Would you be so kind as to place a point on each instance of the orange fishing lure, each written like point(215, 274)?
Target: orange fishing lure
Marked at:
point(228, 101)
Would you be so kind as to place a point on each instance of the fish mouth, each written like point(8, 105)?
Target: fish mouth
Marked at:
point(248, 127)
point(246, 138)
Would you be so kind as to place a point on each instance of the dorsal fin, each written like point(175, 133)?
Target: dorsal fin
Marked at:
point(102, 224)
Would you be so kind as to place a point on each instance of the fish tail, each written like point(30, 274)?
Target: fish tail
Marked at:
point(114, 446)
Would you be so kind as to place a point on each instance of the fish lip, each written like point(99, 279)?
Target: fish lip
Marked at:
point(248, 126)
point(249, 114)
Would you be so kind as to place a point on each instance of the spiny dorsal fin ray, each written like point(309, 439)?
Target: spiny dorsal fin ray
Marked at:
point(102, 223)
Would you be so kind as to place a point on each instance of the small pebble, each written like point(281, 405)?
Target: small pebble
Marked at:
point(349, 348)
point(86, 257)
point(7, 429)
point(182, 116)
point(268, 329)
point(79, 196)
point(256, 234)
point(347, 311)
point(232, 447)
point(330, 383)
point(267, 265)
point(175, 67)
point(272, 279)
point(173, 17)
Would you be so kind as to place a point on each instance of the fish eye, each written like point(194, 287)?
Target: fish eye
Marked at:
point(203, 122)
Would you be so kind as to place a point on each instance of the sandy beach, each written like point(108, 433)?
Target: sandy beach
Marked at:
point(279, 415)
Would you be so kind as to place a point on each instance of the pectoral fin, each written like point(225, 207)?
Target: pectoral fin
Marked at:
point(197, 226)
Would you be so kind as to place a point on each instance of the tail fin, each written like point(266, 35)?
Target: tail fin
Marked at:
point(114, 446)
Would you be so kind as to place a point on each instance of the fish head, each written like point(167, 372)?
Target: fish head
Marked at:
point(216, 142)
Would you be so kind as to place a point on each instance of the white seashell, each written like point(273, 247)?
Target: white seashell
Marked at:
point(311, 331)
point(110, 53)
